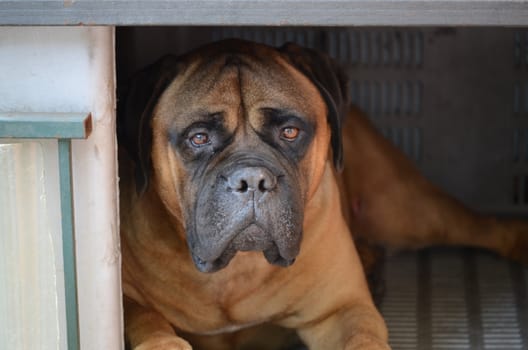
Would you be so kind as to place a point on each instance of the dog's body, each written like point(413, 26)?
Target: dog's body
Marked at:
point(235, 149)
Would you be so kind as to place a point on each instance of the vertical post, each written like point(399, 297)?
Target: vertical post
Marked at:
point(68, 244)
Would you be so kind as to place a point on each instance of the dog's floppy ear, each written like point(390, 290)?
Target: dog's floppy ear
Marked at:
point(331, 81)
point(135, 113)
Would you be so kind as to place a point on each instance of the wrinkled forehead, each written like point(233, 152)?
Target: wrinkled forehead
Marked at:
point(240, 82)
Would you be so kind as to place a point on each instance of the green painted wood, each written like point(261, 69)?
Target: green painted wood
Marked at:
point(265, 12)
point(45, 125)
point(68, 245)
point(64, 127)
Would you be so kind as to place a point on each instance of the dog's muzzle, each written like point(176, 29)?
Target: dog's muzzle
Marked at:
point(248, 207)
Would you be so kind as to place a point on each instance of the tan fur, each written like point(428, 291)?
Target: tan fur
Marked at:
point(324, 294)
point(399, 208)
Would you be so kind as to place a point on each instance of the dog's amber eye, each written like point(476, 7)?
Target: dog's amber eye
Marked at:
point(290, 133)
point(200, 139)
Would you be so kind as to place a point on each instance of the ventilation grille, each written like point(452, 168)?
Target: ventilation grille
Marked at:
point(388, 98)
point(394, 103)
point(520, 189)
point(450, 325)
point(399, 305)
point(498, 305)
point(455, 299)
point(520, 49)
point(520, 119)
point(520, 98)
point(520, 146)
point(272, 36)
point(520, 159)
point(377, 48)
point(374, 48)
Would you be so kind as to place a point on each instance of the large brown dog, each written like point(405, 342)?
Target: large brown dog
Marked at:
point(235, 216)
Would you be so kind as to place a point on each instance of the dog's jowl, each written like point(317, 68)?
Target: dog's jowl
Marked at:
point(245, 180)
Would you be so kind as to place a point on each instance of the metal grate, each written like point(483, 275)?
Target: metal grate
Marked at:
point(499, 313)
point(455, 299)
point(450, 325)
point(377, 48)
point(520, 118)
point(387, 98)
point(520, 190)
point(520, 98)
point(520, 49)
point(271, 36)
point(399, 305)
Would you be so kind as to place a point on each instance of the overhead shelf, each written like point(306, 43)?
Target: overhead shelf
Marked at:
point(269, 12)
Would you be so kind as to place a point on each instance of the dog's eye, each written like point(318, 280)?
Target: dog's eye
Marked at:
point(199, 139)
point(290, 133)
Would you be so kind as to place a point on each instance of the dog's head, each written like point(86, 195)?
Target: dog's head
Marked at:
point(234, 138)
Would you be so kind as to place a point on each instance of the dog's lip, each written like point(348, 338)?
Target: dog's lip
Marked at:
point(214, 262)
point(271, 252)
point(272, 255)
point(252, 238)
point(213, 265)
point(227, 244)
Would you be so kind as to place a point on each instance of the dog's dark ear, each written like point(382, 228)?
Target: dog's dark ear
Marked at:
point(332, 83)
point(135, 113)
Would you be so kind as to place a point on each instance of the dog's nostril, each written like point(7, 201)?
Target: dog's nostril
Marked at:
point(243, 187)
point(252, 179)
point(263, 186)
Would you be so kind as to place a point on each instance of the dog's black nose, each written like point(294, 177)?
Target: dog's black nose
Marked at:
point(251, 179)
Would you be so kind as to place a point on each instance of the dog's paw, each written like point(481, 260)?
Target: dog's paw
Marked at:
point(164, 343)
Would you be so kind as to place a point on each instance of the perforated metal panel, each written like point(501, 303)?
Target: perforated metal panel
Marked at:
point(520, 112)
point(385, 70)
point(455, 299)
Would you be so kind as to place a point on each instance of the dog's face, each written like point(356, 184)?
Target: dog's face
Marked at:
point(239, 139)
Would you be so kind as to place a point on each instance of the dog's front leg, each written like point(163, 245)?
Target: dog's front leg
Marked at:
point(148, 330)
point(355, 327)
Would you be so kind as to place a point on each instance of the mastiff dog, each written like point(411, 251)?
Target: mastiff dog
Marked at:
point(248, 187)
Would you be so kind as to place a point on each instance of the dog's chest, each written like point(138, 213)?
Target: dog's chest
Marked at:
point(247, 280)
point(246, 293)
